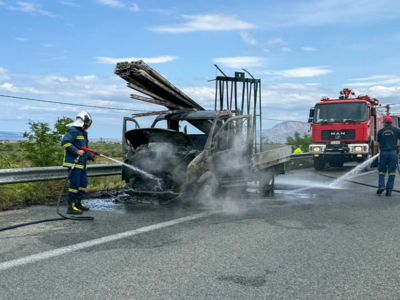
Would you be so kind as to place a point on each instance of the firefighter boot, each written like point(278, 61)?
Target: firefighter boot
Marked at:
point(72, 209)
point(80, 206)
point(380, 190)
point(389, 192)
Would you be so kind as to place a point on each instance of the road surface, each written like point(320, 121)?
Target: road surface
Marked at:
point(306, 242)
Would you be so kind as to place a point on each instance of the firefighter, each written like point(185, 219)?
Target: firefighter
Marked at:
point(73, 141)
point(298, 150)
point(387, 141)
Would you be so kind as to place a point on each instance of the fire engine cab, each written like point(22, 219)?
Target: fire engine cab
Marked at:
point(344, 129)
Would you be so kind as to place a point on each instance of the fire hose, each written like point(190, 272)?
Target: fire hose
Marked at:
point(63, 217)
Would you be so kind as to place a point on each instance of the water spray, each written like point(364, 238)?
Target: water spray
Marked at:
point(148, 175)
point(354, 172)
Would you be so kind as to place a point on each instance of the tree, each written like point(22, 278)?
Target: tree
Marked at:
point(43, 144)
point(296, 140)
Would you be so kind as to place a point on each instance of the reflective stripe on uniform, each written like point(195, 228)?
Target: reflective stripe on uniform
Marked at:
point(392, 174)
point(382, 173)
point(65, 164)
point(67, 145)
point(82, 189)
point(80, 137)
point(73, 191)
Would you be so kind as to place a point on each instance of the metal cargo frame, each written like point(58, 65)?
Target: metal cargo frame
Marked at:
point(242, 96)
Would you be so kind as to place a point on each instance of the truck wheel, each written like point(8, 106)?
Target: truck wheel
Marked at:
point(319, 164)
point(339, 164)
point(266, 184)
point(208, 189)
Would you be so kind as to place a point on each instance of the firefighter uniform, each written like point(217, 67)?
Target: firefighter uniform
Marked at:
point(74, 140)
point(387, 139)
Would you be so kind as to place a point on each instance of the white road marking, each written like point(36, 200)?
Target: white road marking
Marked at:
point(60, 251)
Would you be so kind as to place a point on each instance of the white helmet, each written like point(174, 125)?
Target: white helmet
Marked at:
point(83, 118)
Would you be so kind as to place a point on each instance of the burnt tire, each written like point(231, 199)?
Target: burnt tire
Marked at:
point(207, 190)
point(266, 184)
point(319, 164)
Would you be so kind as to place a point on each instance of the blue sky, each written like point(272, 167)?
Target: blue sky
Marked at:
point(66, 50)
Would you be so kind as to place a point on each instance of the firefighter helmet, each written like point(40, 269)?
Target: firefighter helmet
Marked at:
point(83, 118)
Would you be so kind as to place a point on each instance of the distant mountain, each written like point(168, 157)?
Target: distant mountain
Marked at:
point(279, 132)
point(11, 136)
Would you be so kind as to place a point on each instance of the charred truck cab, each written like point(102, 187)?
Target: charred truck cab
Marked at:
point(167, 152)
point(344, 129)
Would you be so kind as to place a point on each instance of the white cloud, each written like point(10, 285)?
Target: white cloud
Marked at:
point(324, 12)
point(87, 79)
point(299, 72)
point(4, 74)
point(240, 61)
point(248, 38)
point(111, 3)
point(304, 72)
point(375, 80)
point(9, 87)
point(48, 45)
point(150, 60)
point(384, 91)
point(29, 8)
point(70, 3)
point(205, 96)
point(19, 39)
point(164, 11)
point(286, 49)
point(135, 7)
point(275, 41)
point(307, 48)
point(205, 23)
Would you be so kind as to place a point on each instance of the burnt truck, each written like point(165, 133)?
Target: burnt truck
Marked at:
point(222, 157)
point(188, 149)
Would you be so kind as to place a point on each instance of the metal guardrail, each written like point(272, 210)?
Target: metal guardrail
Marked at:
point(24, 175)
point(305, 155)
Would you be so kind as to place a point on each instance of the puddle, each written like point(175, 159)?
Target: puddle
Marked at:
point(124, 203)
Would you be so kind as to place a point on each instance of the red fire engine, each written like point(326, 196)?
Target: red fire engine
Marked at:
point(344, 129)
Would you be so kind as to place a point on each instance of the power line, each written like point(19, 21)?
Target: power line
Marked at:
point(72, 104)
point(113, 108)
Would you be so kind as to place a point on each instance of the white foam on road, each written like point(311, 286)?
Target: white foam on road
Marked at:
point(64, 250)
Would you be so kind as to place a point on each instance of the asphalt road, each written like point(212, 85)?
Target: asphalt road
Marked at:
point(306, 242)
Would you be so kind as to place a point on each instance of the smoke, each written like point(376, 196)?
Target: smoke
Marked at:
point(166, 155)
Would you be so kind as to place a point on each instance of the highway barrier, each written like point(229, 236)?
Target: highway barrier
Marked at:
point(24, 175)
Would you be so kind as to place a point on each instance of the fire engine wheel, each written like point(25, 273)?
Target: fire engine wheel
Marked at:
point(339, 164)
point(266, 184)
point(372, 164)
point(319, 164)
